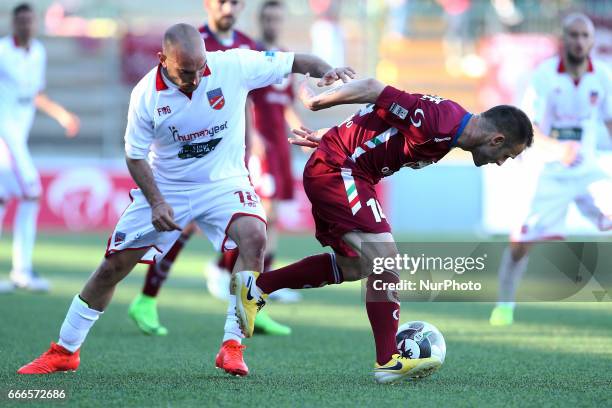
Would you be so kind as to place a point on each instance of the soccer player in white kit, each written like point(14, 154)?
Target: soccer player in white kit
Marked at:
point(188, 117)
point(22, 81)
point(570, 101)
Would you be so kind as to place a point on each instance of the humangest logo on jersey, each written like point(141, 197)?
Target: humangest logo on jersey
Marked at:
point(210, 132)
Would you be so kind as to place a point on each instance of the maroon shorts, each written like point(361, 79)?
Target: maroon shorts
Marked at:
point(278, 163)
point(272, 174)
point(343, 200)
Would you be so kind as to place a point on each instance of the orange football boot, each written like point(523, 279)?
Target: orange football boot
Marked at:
point(57, 358)
point(230, 358)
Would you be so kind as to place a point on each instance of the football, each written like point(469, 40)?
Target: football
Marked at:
point(420, 340)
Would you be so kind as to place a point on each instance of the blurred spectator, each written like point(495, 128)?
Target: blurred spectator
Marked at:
point(397, 18)
point(507, 12)
point(62, 20)
point(22, 83)
point(325, 33)
point(459, 39)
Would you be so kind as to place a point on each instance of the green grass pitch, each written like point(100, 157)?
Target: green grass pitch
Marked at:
point(555, 355)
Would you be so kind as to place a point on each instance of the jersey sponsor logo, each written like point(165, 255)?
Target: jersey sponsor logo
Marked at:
point(398, 110)
point(210, 132)
point(216, 99)
point(198, 150)
point(568, 133)
point(433, 98)
point(164, 110)
point(441, 139)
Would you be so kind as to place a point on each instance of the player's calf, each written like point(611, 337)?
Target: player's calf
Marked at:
point(101, 284)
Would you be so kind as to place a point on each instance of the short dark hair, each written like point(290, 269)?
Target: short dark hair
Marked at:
point(511, 122)
point(269, 3)
point(21, 8)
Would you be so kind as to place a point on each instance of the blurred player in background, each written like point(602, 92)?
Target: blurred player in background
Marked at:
point(395, 130)
point(270, 164)
point(219, 34)
point(22, 83)
point(185, 149)
point(569, 100)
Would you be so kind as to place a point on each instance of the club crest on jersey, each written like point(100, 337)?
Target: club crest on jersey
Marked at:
point(593, 97)
point(216, 98)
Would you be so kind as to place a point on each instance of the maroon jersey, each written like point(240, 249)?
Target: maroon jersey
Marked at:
point(212, 43)
point(399, 130)
point(269, 104)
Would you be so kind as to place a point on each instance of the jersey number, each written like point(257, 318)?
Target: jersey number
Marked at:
point(246, 198)
point(376, 209)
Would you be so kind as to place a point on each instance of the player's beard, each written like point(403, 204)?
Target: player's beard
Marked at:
point(226, 23)
point(576, 59)
point(269, 37)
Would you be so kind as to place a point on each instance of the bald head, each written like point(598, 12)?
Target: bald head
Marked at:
point(578, 37)
point(570, 20)
point(183, 38)
point(183, 56)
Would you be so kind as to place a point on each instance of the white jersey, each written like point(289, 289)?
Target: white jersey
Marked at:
point(200, 138)
point(22, 77)
point(565, 109)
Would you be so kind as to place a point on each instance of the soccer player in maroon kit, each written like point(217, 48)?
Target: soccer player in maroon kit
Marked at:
point(395, 130)
point(270, 165)
point(219, 35)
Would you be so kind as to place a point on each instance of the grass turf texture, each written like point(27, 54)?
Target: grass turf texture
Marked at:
point(555, 355)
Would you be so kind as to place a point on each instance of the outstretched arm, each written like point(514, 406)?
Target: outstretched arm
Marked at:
point(317, 68)
point(68, 120)
point(360, 91)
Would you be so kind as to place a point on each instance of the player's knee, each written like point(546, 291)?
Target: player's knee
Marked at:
point(353, 269)
point(351, 274)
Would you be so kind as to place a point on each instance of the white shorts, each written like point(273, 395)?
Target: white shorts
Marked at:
point(213, 207)
point(591, 192)
point(18, 175)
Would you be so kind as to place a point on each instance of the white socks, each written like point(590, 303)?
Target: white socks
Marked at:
point(232, 328)
point(24, 235)
point(510, 275)
point(79, 319)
